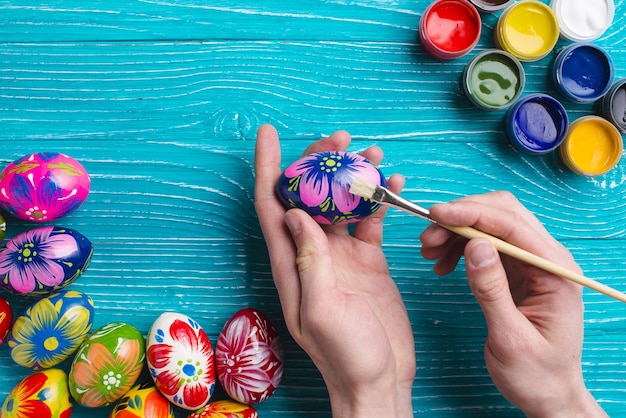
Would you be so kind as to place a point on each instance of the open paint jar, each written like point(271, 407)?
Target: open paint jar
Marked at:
point(614, 105)
point(583, 72)
point(592, 147)
point(583, 20)
point(536, 124)
point(527, 29)
point(493, 79)
point(490, 6)
point(450, 28)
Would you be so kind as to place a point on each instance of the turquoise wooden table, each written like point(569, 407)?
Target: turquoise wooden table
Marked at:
point(160, 100)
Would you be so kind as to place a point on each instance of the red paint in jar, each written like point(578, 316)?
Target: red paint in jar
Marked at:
point(450, 29)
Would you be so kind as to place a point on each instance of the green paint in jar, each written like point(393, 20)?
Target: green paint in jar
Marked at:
point(493, 79)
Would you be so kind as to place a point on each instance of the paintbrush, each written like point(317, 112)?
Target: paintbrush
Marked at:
point(384, 196)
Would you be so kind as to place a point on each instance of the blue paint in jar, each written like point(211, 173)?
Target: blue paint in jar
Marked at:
point(536, 124)
point(583, 72)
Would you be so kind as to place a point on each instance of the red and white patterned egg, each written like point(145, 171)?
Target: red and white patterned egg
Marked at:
point(180, 359)
point(249, 357)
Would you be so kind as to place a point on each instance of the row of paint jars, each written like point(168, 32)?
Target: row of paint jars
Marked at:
point(528, 31)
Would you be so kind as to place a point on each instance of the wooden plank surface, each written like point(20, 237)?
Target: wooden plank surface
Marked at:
point(160, 100)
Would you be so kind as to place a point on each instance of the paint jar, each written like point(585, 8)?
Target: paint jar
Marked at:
point(490, 6)
point(536, 124)
point(614, 105)
point(592, 147)
point(450, 29)
point(583, 20)
point(493, 79)
point(527, 29)
point(583, 72)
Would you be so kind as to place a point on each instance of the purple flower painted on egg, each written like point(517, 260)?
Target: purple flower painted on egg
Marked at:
point(43, 186)
point(316, 169)
point(29, 258)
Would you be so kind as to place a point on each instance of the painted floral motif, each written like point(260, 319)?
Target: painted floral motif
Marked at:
point(225, 409)
point(107, 365)
point(143, 401)
point(180, 359)
point(43, 186)
point(320, 183)
point(3, 228)
point(249, 357)
point(51, 330)
point(40, 395)
point(43, 259)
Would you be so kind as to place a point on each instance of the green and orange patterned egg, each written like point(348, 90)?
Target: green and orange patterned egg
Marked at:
point(107, 365)
point(225, 409)
point(143, 401)
point(41, 395)
point(51, 329)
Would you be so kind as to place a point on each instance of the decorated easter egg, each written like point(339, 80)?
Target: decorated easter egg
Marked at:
point(249, 357)
point(51, 329)
point(6, 319)
point(180, 359)
point(43, 260)
point(320, 183)
point(44, 186)
point(143, 401)
point(225, 409)
point(107, 365)
point(42, 394)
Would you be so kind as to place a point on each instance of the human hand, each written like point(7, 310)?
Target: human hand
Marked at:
point(534, 319)
point(339, 301)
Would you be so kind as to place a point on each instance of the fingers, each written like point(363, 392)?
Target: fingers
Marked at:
point(488, 281)
point(338, 141)
point(314, 265)
point(370, 229)
point(271, 216)
point(502, 215)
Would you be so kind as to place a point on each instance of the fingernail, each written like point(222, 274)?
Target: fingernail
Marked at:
point(482, 254)
point(293, 223)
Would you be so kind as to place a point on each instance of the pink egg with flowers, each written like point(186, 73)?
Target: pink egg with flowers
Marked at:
point(249, 357)
point(43, 186)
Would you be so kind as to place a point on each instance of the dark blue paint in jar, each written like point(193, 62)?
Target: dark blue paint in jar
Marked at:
point(583, 72)
point(536, 124)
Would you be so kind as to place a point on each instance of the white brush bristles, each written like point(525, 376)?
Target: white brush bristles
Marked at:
point(363, 188)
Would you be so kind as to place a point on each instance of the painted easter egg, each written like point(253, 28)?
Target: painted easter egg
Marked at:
point(320, 183)
point(107, 365)
point(43, 260)
point(180, 359)
point(51, 329)
point(143, 401)
point(225, 409)
point(6, 319)
point(44, 186)
point(249, 357)
point(41, 395)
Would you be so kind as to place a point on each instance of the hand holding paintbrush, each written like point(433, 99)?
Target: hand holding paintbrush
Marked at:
point(382, 195)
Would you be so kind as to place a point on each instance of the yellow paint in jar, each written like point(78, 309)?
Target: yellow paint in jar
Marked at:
point(592, 147)
point(527, 29)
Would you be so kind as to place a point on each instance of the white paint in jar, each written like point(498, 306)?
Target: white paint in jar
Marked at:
point(583, 20)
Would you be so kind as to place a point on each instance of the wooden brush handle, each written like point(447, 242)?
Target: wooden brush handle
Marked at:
point(534, 260)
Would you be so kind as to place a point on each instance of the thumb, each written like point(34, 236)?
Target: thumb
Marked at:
point(490, 286)
point(312, 253)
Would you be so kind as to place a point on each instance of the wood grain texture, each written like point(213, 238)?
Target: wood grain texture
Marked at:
point(160, 100)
